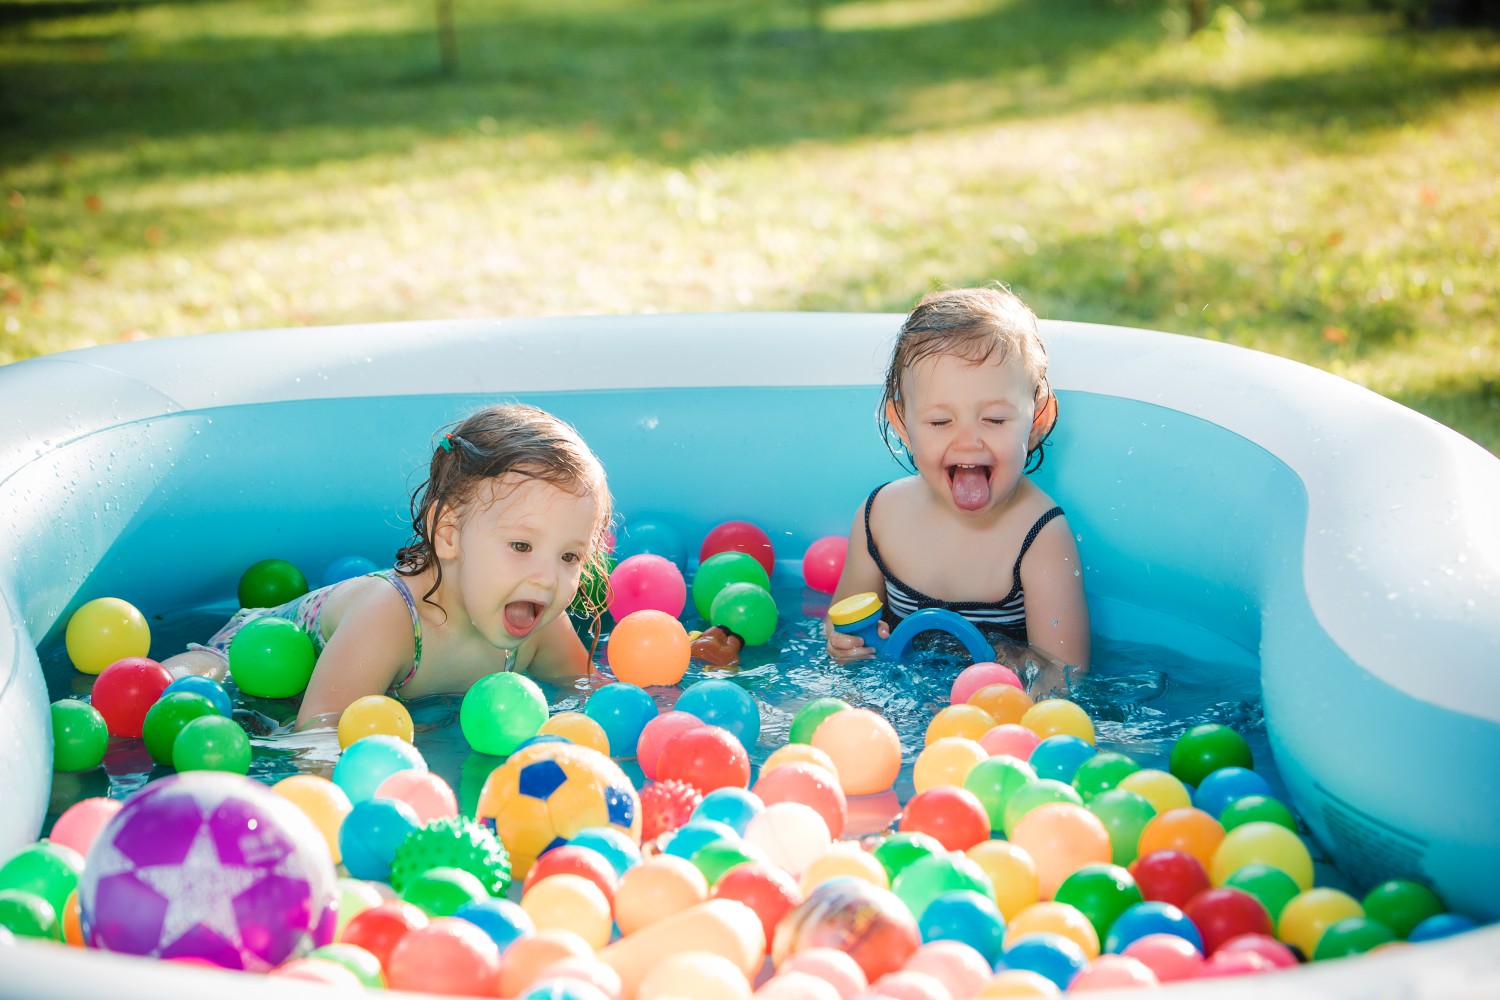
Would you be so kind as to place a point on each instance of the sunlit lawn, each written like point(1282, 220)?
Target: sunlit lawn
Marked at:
point(1322, 187)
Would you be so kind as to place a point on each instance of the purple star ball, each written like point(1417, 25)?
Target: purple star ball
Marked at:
point(212, 866)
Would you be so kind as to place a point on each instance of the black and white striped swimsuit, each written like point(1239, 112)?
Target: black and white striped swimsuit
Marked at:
point(1005, 617)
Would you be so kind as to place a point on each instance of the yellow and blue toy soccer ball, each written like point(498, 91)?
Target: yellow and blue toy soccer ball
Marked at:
point(544, 794)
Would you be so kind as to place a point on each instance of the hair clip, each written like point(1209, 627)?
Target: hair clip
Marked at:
point(446, 443)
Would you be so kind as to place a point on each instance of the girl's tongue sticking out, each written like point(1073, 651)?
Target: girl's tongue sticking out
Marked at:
point(970, 485)
point(521, 617)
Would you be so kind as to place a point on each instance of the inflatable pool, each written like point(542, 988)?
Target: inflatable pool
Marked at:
point(1228, 504)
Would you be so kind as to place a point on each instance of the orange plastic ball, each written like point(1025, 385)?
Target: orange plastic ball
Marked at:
point(449, 956)
point(321, 801)
point(649, 647)
point(1189, 830)
point(864, 748)
point(1061, 838)
point(1050, 917)
point(657, 887)
point(527, 959)
point(799, 753)
point(1004, 702)
point(569, 902)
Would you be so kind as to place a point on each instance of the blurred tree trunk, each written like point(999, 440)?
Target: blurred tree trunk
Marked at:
point(447, 37)
point(1197, 15)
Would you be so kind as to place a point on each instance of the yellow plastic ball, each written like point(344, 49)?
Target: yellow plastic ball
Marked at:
point(1306, 916)
point(1059, 717)
point(1263, 843)
point(321, 801)
point(567, 902)
point(1052, 917)
point(575, 727)
point(947, 761)
point(1018, 983)
point(104, 630)
point(844, 857)
point(1159, 788)
point(1006, 703)
point(1011, 871)
point(374, 715)
point(964, 720)
point(799, 753)
point(694, 975)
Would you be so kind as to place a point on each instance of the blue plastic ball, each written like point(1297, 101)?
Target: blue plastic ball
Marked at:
point(205, 686)
point(734, 807)
point(1051, 956)
point(692, 835)
point(370, 835)
point(619, 850)
point(724, 704)
point(967, 916)
point(1150, 917)
point(347, 568)
point(622, 711)
point(368, 761)
point(541, 738)
point(1227, 785)
point(1060, 756)
point(561, 988)
point(1440, 926)
point(504, 921)
point(656, 538)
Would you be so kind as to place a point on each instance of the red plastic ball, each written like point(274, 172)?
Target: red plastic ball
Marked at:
point(952, 815)
point(823, 563)
point(666, 805)
point(768, 890)
point(740, 536)
point(1223, 914)
point(812, 786)
point(655, 735)
point(380, 928)
point(569, 859)
point(125, 691)
point(1169, 877)
point(706, 757)
point(449, 956)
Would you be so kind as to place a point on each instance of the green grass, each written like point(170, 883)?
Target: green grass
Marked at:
point(1319, 186)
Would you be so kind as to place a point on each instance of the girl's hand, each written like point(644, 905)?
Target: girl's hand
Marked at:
point(845, 648)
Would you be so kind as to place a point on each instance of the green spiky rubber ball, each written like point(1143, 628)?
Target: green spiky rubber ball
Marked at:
point(453, 842)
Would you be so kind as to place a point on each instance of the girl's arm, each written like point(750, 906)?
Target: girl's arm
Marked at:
point(1057, 612)
point(860, 576)
point(556, 653)
point(370, 649)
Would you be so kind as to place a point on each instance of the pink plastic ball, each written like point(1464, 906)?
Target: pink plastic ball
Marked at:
point(1266, 947)
point(740, 536)
point(1170, 957)
point(823, 563)
point(903, 984)
point(706, 757)
point(958, 966)
point(971, 679)
point(1222, 964)
point(429, 796)
point(1010, 739)
point(81, 822)
point(1113, 972)
point(797, 986)
point(811, 785)
point(646, 582)
point(831, 966)
point(654, 737)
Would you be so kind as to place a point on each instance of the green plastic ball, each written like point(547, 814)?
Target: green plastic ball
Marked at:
point(899, 850)
point(501, 712)
point(439, 892)
point(716, 857)
point(593, 589)
point(747, 610)
point(1351, 936)
point(212, 743)
point(811, 715)
point(1037, 793)
point(925, 879)
point(48, 871)
point(1102, 772)
point(1124, 814)
point(1401, 904)
point(452, 842)
point(165, 721)
point(271, 583)
point(719, 571)
point(26, 914)
point(1204, 749)
point(1267, 883)
point(360, 961)
point(994, 780)
point(1101, 893)
point(271, 658)
point(1256, 809)
point(79, 736)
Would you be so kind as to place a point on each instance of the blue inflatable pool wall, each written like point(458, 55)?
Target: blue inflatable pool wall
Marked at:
point(1229, 504)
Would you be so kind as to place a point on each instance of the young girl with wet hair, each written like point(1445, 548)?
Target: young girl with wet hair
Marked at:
point(967, 399)
point(514, 508)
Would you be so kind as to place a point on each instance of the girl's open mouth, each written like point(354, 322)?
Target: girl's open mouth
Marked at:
point(521, 617)
point(970, 485)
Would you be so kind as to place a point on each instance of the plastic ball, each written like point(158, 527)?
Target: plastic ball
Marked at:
point(438, 892)
point(355, 897)
point(907, 984)
point(205, 686)
point(429, 796)
point(1004, 703)
point(746, 609)
point(657, 888)
point(1352, 936)
point(666, 806)
point(1399, 903)
point(1262, 843)
point(1158, 788)
point(1057, 716)
point(556, 983)
point(141, 890)
point(127, 689)
point(898, 850)
point(719, 571)
point(733, 806)
point(448, 955)
point(622, 710)
point(864, 748)
point(501, 712)
point(1059, 757)
point(768, 890)
point(649, 647)
point(371, 834)
point(795, 985)
point(503, 920)
point(870, 925)
point(823, 563)
point(1061, 919)
point(831, 966)
point(655, 734)
point(799, 753)
point(1061, 837)
point(1272, 950)
point(1012, 873)
point(1308, 915)
point(1171, 876)
point(79, 736)
point(725, 704)
point(564, 901)
point(362, 963)
point(212, 743)
point(1223, 964)
point(1113, 972)
point(165, 721)
point(322, 802)
point(694, 975)
point(81, 822)
point(381, 927)
point(967, 721)
point(572, 859)
point(1257, 809)
point(48, 871)
point(1018, 983)
point(1191, 830)
point(1100, 773)
point(1042, 791)
point(1221, 914)
point(981, 675)
point(1051, 956)
point(650, 536)
point(1010, 739)
point(374, 715)
point(739, 536)
point(1170, 956)
point(1101, 892)
point(706, 757)
point(1226, 784)
point(104, 630)
point(549, 793)
point(527, 960)
point(811, 715)
point(1205, 749)
point(790, 834)
point(1272, 886)
point(718, 857)
point(812, 786)
point(1440, 926)
point(1147, 918)
point(452, 842)
point(270, 583)
point(271, 658)
point(369, 761)
point(993, 781)
point(954, 816)
point(646, 582)
point(926, 879)
point(1124, 814)
point(346, 568)
point(968, 917)
point(27, 915)
point(620, 847)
